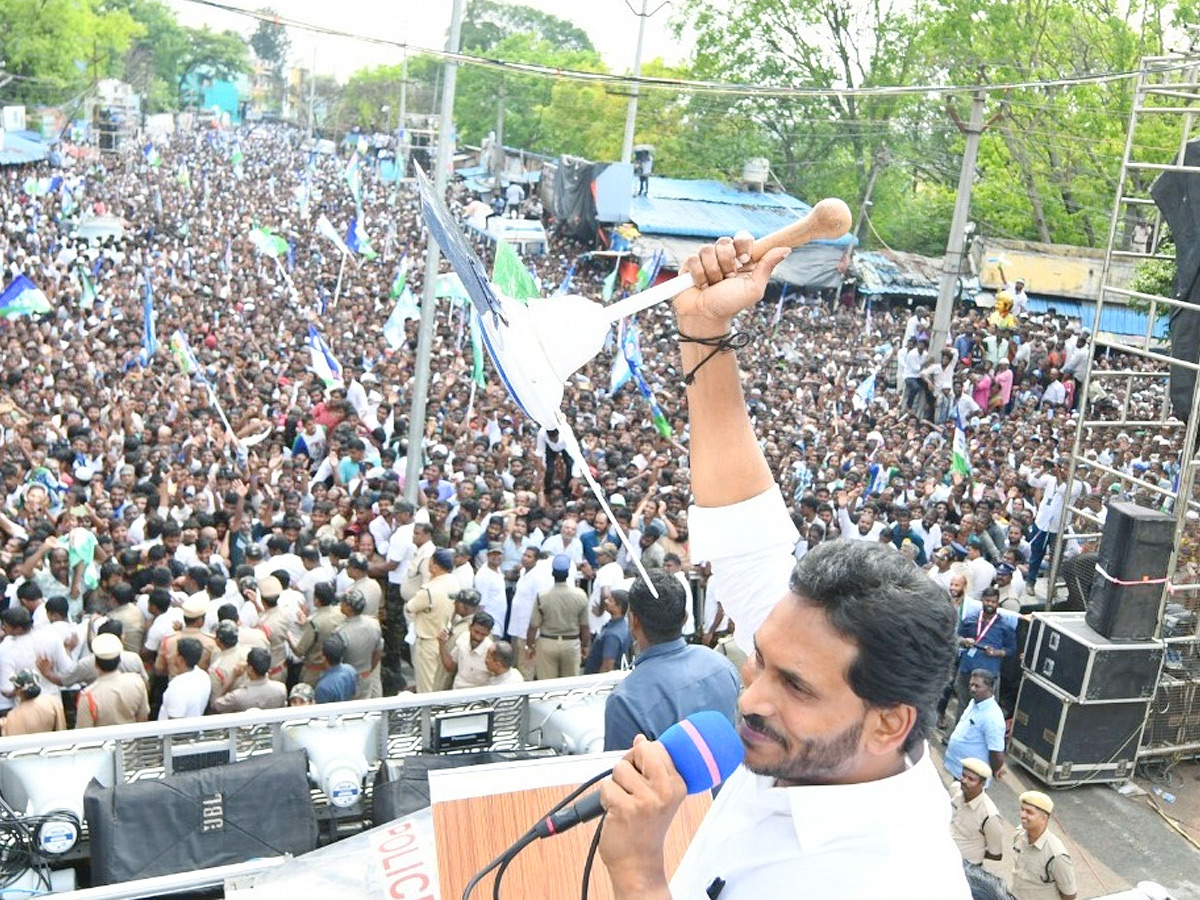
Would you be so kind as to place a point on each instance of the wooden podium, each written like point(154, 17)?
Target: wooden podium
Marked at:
point(479, 811)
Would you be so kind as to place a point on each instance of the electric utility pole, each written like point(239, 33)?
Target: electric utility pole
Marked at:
point(445, 151)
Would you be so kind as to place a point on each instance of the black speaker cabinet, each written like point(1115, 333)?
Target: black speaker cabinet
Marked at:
point(1067, 653)
point(1137, 542)
point(213, 817)
point(1063, 742)
point(1124, 612)
point(1136, 546)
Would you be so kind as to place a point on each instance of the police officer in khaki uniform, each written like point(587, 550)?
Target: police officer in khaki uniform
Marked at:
point(115, 697)
point(431, 610)
point(125, 611)
point(466, 604)
point(227, 664)
point(258, 691)
point(975, 823)
point(363, 641)
point(559, 624)
point(1042, 868)
point(275, 624)
point(169, 663)
point(325, 621)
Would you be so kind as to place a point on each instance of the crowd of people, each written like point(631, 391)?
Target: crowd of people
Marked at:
point(274, 553)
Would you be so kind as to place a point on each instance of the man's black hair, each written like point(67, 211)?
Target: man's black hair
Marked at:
point(191, 651)
point(661, 617)
point(895, 615)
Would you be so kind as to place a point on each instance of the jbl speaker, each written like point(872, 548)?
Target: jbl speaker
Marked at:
point(213, 817)
point(1136, 546)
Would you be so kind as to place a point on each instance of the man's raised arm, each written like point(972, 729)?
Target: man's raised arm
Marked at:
point(727, 465)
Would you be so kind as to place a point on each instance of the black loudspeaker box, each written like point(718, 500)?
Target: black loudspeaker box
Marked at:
point(1067, 653)
point(213, 817)
point(1064, 742)
point(1136, 546)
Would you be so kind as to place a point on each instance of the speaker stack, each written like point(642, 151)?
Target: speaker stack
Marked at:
point(1089, 677)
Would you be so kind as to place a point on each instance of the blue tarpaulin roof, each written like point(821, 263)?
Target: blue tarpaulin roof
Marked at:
point(711, 209)
point(1114, 319)
point(22, 147)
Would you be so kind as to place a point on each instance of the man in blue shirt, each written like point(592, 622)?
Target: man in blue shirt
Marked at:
point(670, 679)
point(986, 638)
point(614, 645)
point(980, 730)
point(339, 681)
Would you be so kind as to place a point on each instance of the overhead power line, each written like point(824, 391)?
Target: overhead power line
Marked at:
point(677, 84)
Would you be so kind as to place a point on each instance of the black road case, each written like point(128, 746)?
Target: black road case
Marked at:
point(1064, 650)
point(1063, 742)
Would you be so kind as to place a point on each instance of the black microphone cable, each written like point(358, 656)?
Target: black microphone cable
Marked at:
point(591, 857)
point(504, 859)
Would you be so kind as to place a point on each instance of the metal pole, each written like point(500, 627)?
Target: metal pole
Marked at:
point(416, 423)
point(631, 110)
point(952, 264)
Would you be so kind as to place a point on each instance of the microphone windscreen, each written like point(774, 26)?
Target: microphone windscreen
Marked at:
point(705, 749)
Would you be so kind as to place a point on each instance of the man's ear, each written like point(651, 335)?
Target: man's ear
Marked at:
point(887, 728)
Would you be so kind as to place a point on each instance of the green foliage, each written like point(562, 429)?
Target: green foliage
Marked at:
point(220, 55)
point(270, 41)
point(57, 47)
point(528, 99)
point(487, 23)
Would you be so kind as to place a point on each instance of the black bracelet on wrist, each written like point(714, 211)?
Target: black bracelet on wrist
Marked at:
point(720, 344)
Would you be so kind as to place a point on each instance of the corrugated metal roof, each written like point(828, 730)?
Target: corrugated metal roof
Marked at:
point(1114, 320)
point(711, 209)
point(814, 265)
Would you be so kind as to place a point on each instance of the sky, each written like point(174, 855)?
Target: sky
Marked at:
point(423, 23)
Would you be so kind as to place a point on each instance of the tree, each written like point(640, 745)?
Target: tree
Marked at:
point(152, 61)
point(480, 91)
point(369, 90)
point(1050, 164)
point(270, 41)
point(220, 55)
point(486, 23)
point(826, 144)
point(57, 47)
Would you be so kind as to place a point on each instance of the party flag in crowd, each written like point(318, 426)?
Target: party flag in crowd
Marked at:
point(358, 242)
point(779, 307)
point(323, 363)
point(23, 298)
point(648, 272)
point(610, 285)
point(510, 276)
point(353, 181)
point(477, 373)
point(88, 293)
point(864, 393)
point(184, 357)
point(565, 287)
point(236, 159)
point(149, 338)
point(960, 462)
point(268, 243)
point(627, 364)
point(326, 230)
point(152, 155)
point(66, 200)
point(406, 308)
point(401, 279)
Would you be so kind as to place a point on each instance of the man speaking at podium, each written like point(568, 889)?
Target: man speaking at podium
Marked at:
point(837, 797)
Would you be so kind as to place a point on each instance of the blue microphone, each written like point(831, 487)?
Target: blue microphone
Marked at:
point(704, 748)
